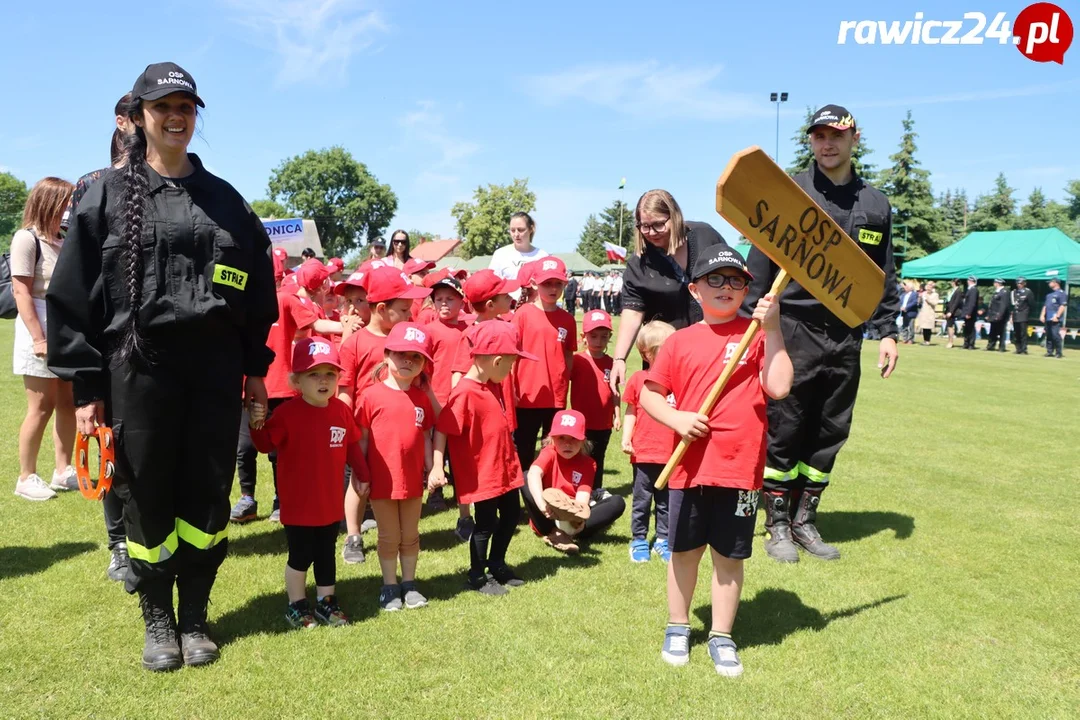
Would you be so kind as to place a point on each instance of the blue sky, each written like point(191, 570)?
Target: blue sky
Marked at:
point(437, 98)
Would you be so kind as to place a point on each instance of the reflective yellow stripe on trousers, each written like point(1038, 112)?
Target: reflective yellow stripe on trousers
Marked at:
point(812, 475)
point(184, 531)
point(156, 554)
point(194, 536)
point(779, 475)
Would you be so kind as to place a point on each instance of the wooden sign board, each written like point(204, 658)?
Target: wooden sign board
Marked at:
point(759, 199)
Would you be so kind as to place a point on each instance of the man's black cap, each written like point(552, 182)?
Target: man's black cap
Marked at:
point(716, 257)
point(161, 79)
point(1021, 281)
point(379, 241)
point(834, 116)
point(999, 281)
point(972, 278)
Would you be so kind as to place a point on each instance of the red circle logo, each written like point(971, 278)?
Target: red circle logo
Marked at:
point(1043, 32)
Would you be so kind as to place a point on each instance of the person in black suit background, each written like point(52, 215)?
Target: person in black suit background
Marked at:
point(570, 293)
point(969, 312)
point(952, 308)
point(998, 315)
point(1022, 301)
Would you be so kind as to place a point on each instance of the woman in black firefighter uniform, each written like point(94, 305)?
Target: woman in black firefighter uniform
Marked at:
point(809, 426)
point(160, 307)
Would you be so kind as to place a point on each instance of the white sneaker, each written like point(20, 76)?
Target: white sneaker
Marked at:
point(33, 488)
point(64, 481)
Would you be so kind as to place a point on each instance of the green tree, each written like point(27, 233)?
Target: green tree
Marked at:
point(269, 210)
point(482, 224)
point(1035, 213)
point(13, 193)
point(597, 231)
point(952, 209)
point(347, 202)
point(418, 236)
point(995, 211)
point(804, 155)
point(907, 186)
point(1072, 202)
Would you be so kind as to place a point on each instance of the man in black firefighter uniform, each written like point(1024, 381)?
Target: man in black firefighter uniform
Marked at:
point(809, 426)
point(969, 311)
point(1022, 301)
point(998, 315)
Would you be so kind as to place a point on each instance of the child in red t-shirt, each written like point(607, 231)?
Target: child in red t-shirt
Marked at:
point(395, 418)
point(474, 430)
point(354, 302)
point(550, 333)
point(389, 297)
point(559, 487)
point(714, 490)
point(590, 391)
point(314, 436)
point(649, 445)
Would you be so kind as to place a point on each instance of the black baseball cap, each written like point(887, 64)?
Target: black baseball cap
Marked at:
point(161, 79)
point(449, 282)
point(834, 116)
point(716, 257)
point(379, 241)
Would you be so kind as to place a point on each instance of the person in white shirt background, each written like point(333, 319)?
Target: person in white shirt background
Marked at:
point(507, 260)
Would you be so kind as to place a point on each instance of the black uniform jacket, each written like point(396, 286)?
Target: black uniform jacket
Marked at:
point(971, 302)
point(1022, 300)
point(206, 271)
point(999, 306)
point(956, 300)
point(855, 206)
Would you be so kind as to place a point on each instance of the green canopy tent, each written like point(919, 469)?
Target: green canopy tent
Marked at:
point(1009, 254)
point(459, 263)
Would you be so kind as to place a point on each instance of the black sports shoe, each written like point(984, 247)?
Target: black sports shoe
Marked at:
point(504, 575)
point(486, 585)
point(330, 612)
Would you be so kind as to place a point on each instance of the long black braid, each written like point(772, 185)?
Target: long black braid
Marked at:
point(131, 346)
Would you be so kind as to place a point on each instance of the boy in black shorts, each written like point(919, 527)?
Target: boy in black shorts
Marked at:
point(714, 492)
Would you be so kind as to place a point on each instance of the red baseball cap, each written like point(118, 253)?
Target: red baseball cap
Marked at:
point(483, 285)
point(595, 319)
point(409, 337)
point(280, 256)
point(525, 273)
point(369, 265)
point(570, 423)
point(335, 265)
point(415, 265)
point(389, 283)
point(354, 280)
point(288, 284)
point(311, 275)
point(549, 268)
point(312, 351)
point(495, 337)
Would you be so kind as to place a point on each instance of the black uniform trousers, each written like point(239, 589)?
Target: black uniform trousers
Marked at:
point(969, 333)
point(997, 335)
point(1019, 335)
point(175, 424)
point(809, 426)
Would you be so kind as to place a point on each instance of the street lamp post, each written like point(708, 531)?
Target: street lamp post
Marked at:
point(777, 98)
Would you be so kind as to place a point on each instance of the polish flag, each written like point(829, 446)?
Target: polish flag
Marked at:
point(614, 252)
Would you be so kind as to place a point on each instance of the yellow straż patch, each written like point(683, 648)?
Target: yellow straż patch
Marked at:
point(230, 276)
point(870, 237)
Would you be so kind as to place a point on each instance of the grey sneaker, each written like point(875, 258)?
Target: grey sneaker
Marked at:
point(368, 525)
point(118, 563)
point(64, 481)
point(413, 598)
point(275, 515)
point(676, 650)
point(464, 529)
point(353, 552)
point(390, 598)
point(722, 650)
point(245, 510)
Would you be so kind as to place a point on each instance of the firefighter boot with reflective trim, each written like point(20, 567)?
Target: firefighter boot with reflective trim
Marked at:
point(161, 652)
point(804, 532)
point(194, 592)
point(778, 544)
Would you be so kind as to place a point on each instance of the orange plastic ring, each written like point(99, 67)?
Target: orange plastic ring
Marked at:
point(95, 488)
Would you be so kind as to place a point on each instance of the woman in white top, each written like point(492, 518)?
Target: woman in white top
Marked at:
point(34, 250)
point(507, 260)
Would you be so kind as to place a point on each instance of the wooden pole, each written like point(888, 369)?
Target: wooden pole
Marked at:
point(778, 286)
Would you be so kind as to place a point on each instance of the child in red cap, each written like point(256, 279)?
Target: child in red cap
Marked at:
point(590, 391)
point(550, 333)
point(353, 294)
point(395, 418)
point(314, 436)
point(475, 431)
point(389, 297)
point(557, 494)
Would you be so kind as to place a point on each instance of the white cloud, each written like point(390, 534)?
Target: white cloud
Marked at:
point(313, 39)
point(427, 125)
point(972, 96)
point(648, 89)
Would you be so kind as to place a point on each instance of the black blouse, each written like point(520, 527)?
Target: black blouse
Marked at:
point(652, 285)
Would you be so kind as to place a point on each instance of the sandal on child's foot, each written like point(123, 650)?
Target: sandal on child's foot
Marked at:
point(561, 542)
point(564, 507)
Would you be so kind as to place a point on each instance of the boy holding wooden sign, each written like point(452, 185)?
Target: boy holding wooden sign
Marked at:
point(714, 490)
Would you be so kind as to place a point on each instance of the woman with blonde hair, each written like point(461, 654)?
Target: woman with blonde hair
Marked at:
point(926, 320)
point(656, 282)
point(34, 250)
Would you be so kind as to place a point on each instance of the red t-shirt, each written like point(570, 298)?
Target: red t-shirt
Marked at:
point(688, 364)
point(397, 422)
point(570, 476)
point(479, 442)
point(360, 354)
point(445, 339)
point(590, 393)
point(424, 314)
point(293, 315)
point(313, 445)
point(543, 383)
point(653, 442)
point(504, 390)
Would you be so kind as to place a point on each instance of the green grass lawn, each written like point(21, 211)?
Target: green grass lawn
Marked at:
point(954, 505)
